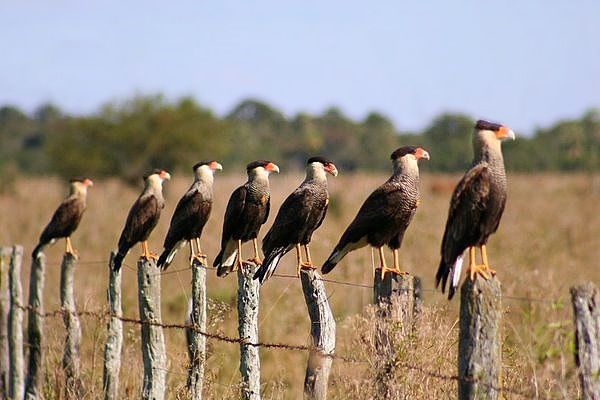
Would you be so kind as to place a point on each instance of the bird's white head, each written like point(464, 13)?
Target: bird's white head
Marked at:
point(156, 177)
point(80, 185)
point(205, 170)
point(406, 158)
point(317, 167)
point(261, 169)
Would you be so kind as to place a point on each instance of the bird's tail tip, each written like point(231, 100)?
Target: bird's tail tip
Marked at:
point(117, 262)
point(267, 268)
point(37, 251)
point(163, 262)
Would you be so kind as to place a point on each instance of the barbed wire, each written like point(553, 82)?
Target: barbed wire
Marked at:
point(332, 281)
point(103, 315)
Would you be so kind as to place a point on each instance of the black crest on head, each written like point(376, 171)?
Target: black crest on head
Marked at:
point(154, 171)
point(201, 163)
point(318, 159)
point(402, 151)
point(256, 164)
point(77, 179)
point(482, 124)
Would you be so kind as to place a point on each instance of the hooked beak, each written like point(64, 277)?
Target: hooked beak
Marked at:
point(271, 167)
point(331, 169)
point(216, 166)
point(421, 153)
point(505, 133)
point(164, 175)
point(88, 182)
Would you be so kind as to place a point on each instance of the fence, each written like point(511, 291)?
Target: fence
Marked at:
point(478, 298)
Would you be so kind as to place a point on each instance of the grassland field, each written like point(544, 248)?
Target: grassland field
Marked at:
point(548, 241)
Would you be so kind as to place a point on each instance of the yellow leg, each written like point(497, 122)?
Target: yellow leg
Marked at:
point(298, 259)
point(256, 260)
point(146, 253)
point(192, 254)
point(475, 269)
point(197, 256)
point(396, 267)
point(69, 247)
point(238, 262)
point(384, 267)
point(308, 264)
point(484, 259)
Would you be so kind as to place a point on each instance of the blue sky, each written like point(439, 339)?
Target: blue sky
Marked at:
point(526, 63)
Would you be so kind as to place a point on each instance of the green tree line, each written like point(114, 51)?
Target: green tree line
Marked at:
point(128, 137)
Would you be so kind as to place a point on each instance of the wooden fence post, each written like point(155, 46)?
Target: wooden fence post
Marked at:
point(586, 315)
point(196, 340)
point(15, 326)
point(35, 328)
point(70, 362)
point(114, 339)
point(322, 331)
point(153, 341)
point(398, 302)
point(5, 253)
point(479, 342)
point(247, 304)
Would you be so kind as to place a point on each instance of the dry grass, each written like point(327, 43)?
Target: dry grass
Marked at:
point(546, 243)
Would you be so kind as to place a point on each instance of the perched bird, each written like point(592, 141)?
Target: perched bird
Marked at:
point(191, 215)
point(299, 216)
point(247, 209)
point(66, 218)
point(387, 212)
point(476, 207)
point(143, 217)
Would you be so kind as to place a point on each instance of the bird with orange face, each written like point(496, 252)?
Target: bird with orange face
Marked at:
point(476, 207)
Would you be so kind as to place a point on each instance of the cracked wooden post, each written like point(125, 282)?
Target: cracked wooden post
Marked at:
point(398, 302)
point(247, 304)
point(480, 341)
point(5, 255)
point(70, 362)
point(322, 331)
point(35, 328)
point(114, 339)
point(586, 315)
point(153, 342)
point(16, 387)
point(196, 340)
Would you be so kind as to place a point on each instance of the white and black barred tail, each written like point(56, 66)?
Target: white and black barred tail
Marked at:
point(226, 259)
point(451, 271)
point(335, 257)
point(168, 254)
point(270, 264)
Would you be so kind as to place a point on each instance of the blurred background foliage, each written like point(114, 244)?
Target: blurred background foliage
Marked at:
point(126, 138)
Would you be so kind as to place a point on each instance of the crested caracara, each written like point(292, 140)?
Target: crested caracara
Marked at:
point(299, 216)
point(191, 215)
point(387, 212)
point(143, 217)
point(476, 207)
point(247, 210)
point(66, 218)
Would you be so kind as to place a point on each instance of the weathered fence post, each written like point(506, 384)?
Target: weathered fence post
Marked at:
point(5, 253)
point(247, 304)
point(586, 315)
point(114, 339)
point(479, 342)
point(196, 340)
point(322, 331)
point(398, 302)
point(15, 326)
point(70, 362)
point(35, 328)
point(153, 341)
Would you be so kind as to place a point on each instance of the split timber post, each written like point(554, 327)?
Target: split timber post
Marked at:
point(15, 326)
point(479, 341)
point(5, 254)
point(114, 339)
point(586, 315)
point(153, 341)
point(35, 328)
point(322, 331)
point(399, 303)
point(70, 362)
point(196, 340)
point(247, 304)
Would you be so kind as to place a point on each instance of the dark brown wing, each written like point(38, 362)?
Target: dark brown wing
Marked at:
point(141, 220)
point(64, 221)
point(188, 219)
point(233, 213)
point(467, 209)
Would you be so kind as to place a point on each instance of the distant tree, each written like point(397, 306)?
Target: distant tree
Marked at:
point(377, 141)
point(449, 141)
